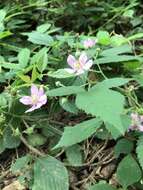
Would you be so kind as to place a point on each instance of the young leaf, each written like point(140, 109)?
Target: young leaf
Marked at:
point(128, 172)
point(23, 58)
point(79, 132)
point(74, 155)
point(49, 173)
point(103, 37)
point(20, 163)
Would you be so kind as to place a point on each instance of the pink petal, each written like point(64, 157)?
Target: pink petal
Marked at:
point(34, 107)
point(83, 58)
point(140, 128)
point(41, 91)
point(79, 72)
point(43, 100)
point(31, 109)
point(71, 71)
point(71, 61)
point(88, 65)
point(26, 100)
point(34, 90)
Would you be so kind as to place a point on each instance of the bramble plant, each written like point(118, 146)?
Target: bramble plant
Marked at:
point(71, 101)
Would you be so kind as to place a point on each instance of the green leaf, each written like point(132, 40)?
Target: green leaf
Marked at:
point(10, 141)
point(79, 132)
point(117, 58)
point(5, 34)
point(128, 172)
point(40, 59)
point(2, 147)
point(101, 187)
point(104, 103)
point(2, 15)
point(135, 36)
point(139, 150)
point(123, 146)
point(23, 58)
point(129, 13)
point(49, 173)
point(113, 82)
point(118, 40)
point(60, 74)
point(35, 74)
point(20, 163)
point(65, 91)
point(36, 139)
point(138, 78)
point(68, 105)
point(43, 28)
point(40, 38)
point(74, 155)
point(117, 50)
point(103, 37)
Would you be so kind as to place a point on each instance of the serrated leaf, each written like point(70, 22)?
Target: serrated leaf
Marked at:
point(65, 91)
point(20, 163)
point(128, 172)
point(23, 58)
point(123, 146)
point(139, 150)
point(49, 173)
point(102, 187)
point(104, 103)
point(79, 132)
point(74, 155)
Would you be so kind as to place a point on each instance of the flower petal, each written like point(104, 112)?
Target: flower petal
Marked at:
point(41, 91)
point(140, 128)
point(79, 72)
point(31, 109)
point(71, 71)
point(43, 100)
point(88, 65)
point(71, 60)
point(26, 100)
point(34, 90)
point(83, 58)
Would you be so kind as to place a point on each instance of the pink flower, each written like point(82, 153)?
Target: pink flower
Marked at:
point(36, 99)
point(136, 122)
point(89, 43)
point(79, 66)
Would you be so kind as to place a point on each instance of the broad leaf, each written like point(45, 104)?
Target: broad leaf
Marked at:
point(74, 155)
point(64, 91)
point(128, 172)
point(104, 103)
point(49, 173)
point(79, 132)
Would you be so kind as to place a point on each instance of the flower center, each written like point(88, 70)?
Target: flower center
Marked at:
point(77, 66)
point(34, 99)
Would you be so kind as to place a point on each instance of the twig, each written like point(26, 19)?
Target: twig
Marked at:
point(34, 150)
